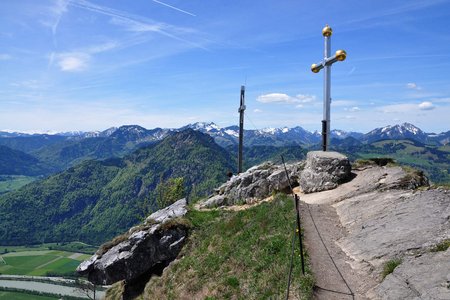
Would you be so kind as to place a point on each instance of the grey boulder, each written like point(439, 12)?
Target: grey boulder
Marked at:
point(141, 249)
point(324, 171)
point(255, 184)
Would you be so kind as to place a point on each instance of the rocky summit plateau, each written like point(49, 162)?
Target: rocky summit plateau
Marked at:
point(356, 221)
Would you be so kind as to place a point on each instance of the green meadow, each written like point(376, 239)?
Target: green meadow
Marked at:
point(22, 296)
point(39, 261)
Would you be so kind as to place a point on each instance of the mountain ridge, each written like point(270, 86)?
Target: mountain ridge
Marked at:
point(228, 135)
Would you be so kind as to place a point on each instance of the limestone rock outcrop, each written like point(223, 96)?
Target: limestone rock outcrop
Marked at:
point(255, 184)
point(142, 249)
point(324, 171)
point(384, 218)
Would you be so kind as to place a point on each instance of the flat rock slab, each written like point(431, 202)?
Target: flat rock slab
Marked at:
point(423, 277)
point(365, 181)
point(384, 225)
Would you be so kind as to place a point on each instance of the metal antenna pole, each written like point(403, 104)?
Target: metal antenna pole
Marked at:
point(325, 64)
point(241, 128)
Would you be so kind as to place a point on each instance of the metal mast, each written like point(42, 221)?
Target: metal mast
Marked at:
point(325, 64)
point(241, 128)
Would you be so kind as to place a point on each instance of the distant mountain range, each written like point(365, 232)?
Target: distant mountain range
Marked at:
point(223, 136)
point(298, 135)
point(50, 153)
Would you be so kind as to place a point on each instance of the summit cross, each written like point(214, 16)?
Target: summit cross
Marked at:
point(325, 64)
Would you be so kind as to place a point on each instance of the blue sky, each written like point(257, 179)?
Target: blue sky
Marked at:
point(90, 65)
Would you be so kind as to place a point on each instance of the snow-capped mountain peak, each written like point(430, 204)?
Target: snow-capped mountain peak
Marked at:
point(399, 131)
point(204, 126)
point(269, 130)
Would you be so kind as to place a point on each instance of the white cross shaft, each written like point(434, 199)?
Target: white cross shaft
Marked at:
point(325, 64)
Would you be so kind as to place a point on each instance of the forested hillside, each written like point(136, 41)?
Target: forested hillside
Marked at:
point(15, 162)
point(94, 201)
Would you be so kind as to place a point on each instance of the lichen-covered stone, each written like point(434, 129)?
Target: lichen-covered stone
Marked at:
point(324, 171)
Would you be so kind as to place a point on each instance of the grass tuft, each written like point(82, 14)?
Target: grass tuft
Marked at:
point(176, 222)
point(442, 246)
point(390, 266)
point(110, 244)
point(375, 161)
point(233, 282)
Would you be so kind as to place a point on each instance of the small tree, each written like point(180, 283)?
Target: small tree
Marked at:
point(167, 192)
point(85, 288)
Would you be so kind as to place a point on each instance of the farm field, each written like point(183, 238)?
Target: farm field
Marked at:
point(39, 261)
point(22, 296)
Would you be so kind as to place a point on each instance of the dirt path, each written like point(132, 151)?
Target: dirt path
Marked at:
point(327, 277)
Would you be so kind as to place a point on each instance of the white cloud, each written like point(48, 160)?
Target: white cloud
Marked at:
point(426, 105)
point(54, 15)
point(406, 108)
point(140, 24)
point(73, 62)
point(103, 47)
point(351, 71)
point(59, 9)
point(343, 102)
point(286, 99)
point(77, 60)
point(398, 108)
point(353, 109)
point(275, 98)
point(4, 56)
point(257, 110)
point(413, 86)
point(136, 26)
point(306, 98)
point(441, 100)
point(29, 84)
